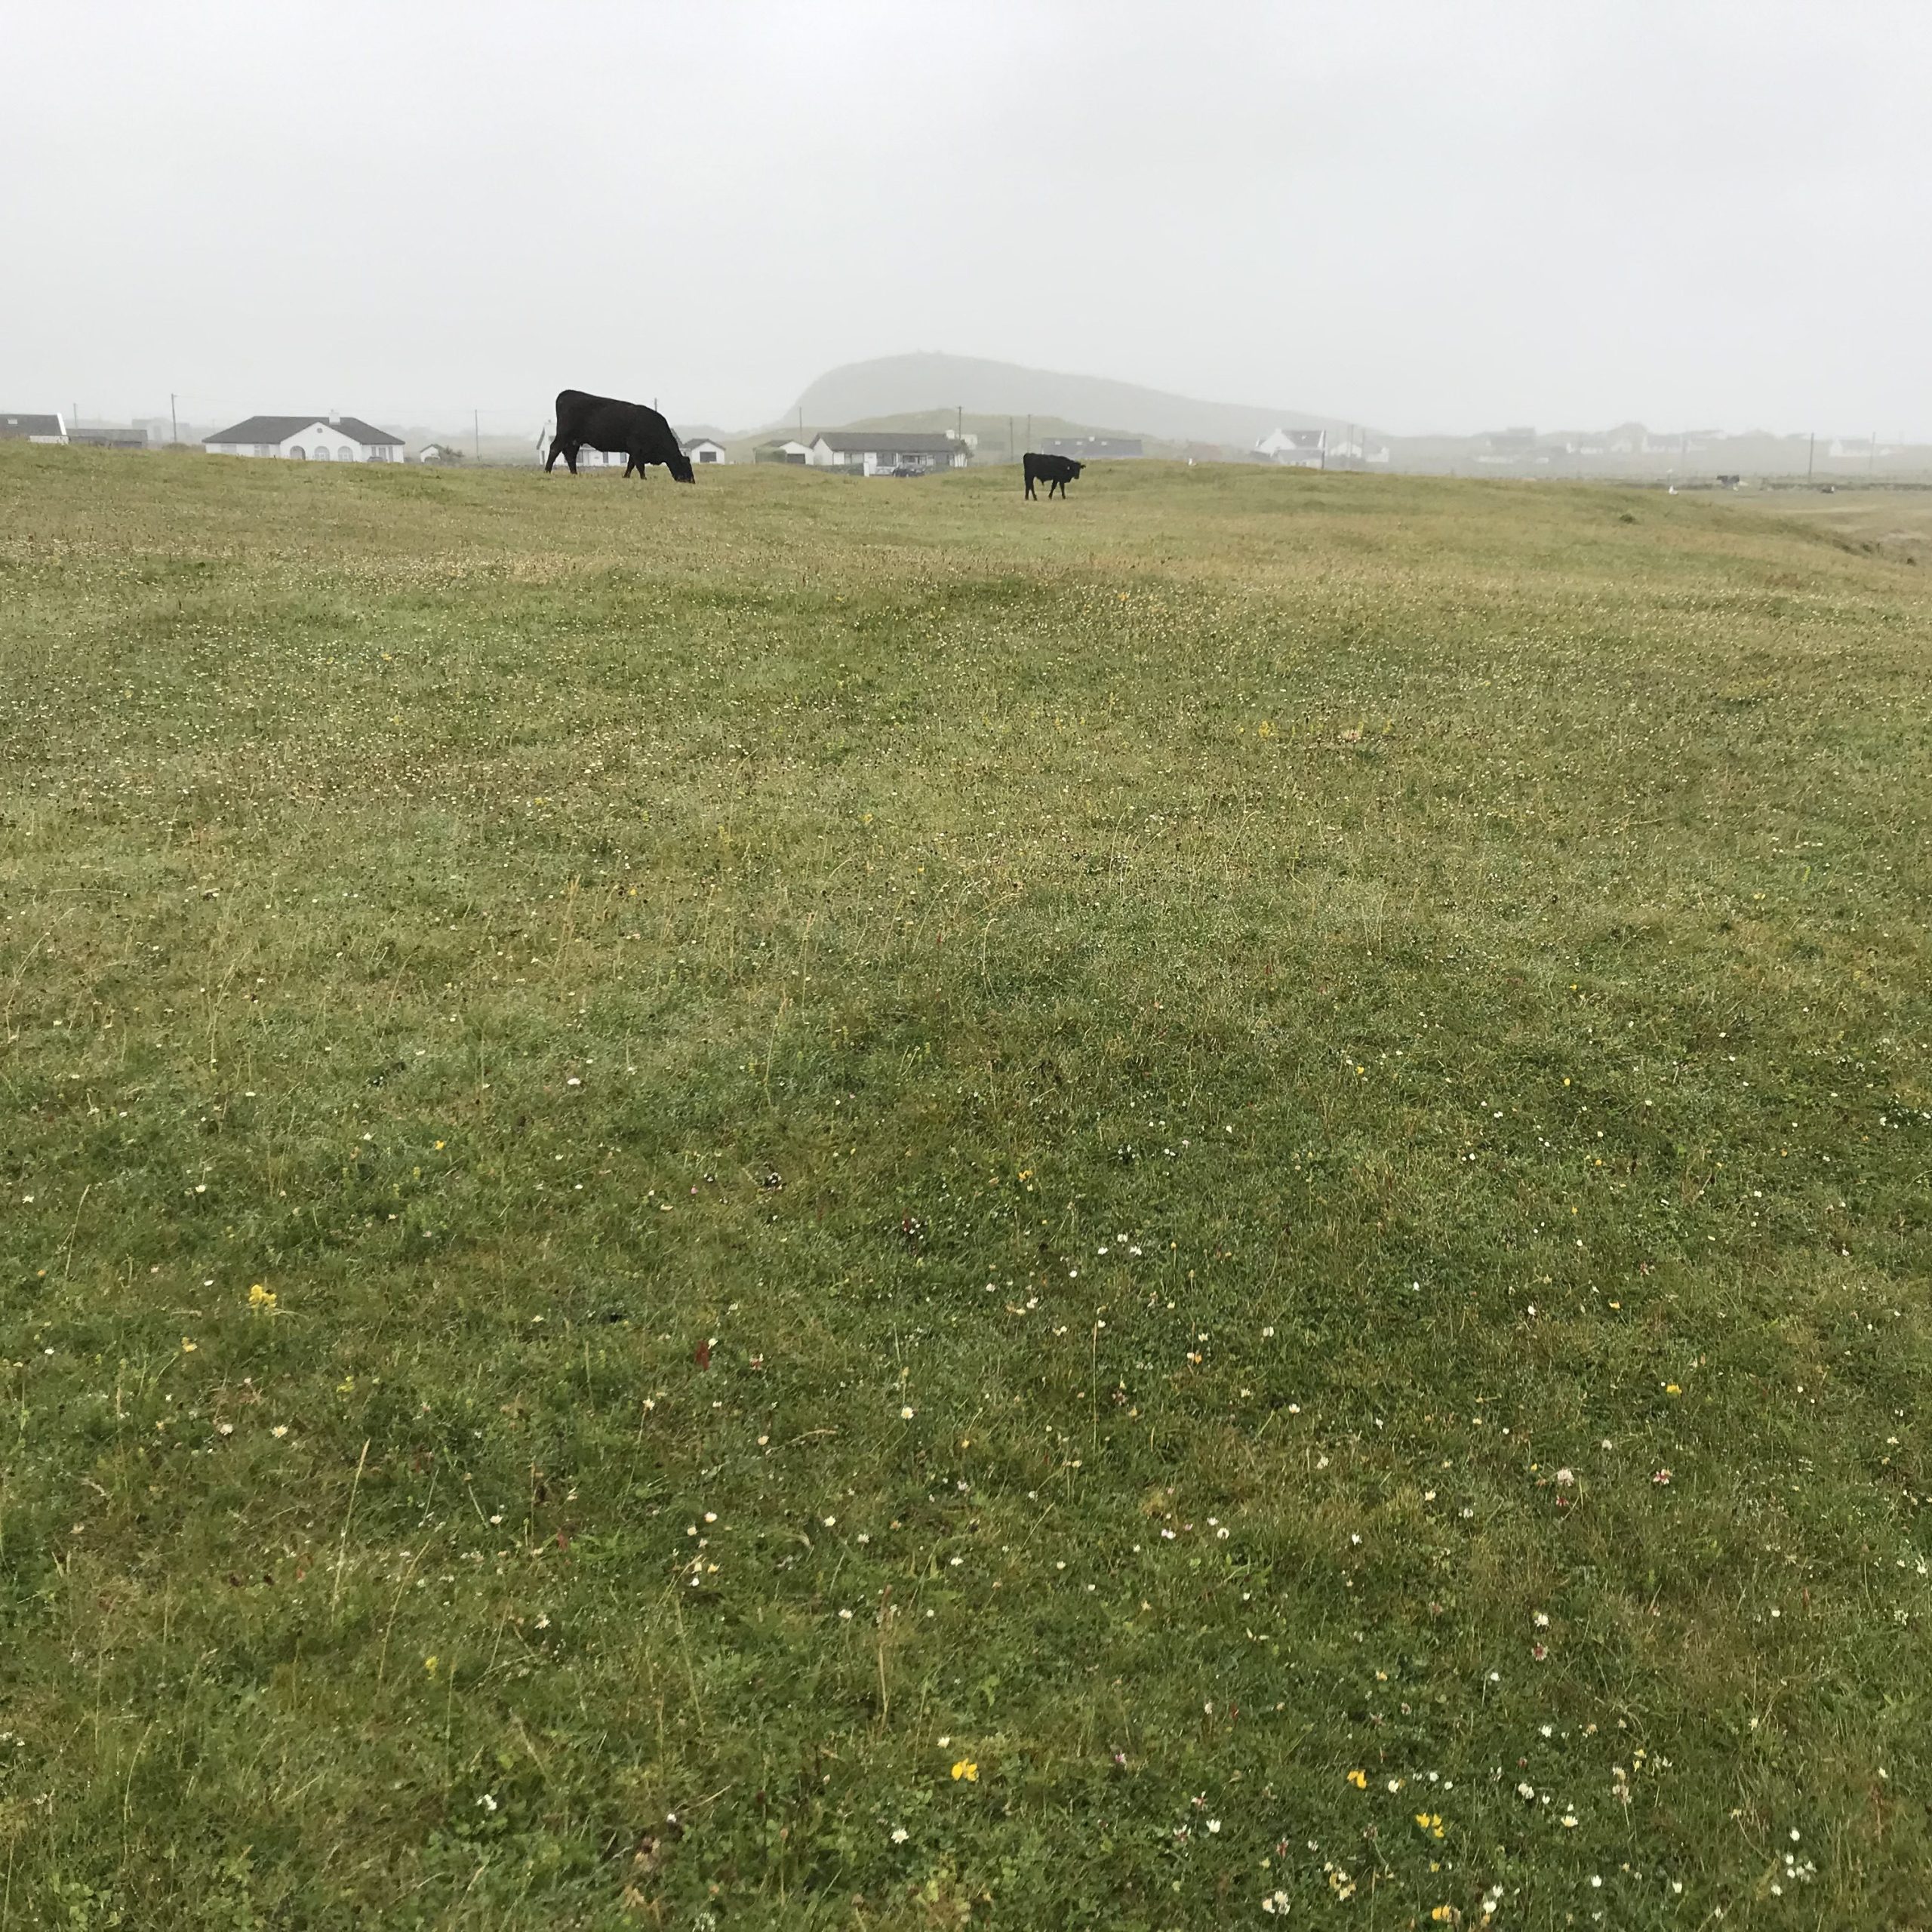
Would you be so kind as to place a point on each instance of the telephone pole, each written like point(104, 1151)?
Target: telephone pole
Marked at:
point(1810, 454)
point(174, 420)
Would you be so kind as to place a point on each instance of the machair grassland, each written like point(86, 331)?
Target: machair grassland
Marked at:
point(806, 1204)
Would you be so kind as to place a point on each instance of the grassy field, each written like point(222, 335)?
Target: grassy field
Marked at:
point(805, 1203)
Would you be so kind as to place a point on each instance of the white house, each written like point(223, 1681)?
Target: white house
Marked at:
point(785, 449)
point(313, 438)
point(588, 458)
point(886, 452)
point(705, 449)
point(1093, 449)
point(32, 430)
point(1300, 449)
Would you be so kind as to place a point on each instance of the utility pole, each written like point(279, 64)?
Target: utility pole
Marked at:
point(1029, 433)
point(1010, 451)
point(476, 433)
point(173, 418)
point(1871, 465)
point(1810, 454)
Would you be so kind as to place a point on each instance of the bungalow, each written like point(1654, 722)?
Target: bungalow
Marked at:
point(886, 452)
point(32, 430)
point(318, 438)
point(1299, 449)
point(785, 449)
point(704, 449)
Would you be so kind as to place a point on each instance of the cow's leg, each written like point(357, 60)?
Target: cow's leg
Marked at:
point(567, 451)
point(1029, 486)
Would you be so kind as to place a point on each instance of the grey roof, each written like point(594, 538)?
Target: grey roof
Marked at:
point(716, 442)
point(17, 426)
point(279, 428)
point(884, 442)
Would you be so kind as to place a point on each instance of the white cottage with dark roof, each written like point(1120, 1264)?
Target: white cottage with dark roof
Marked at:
point(23, 428)
point(313, 438)
point(886, 452)
point(1299, 449)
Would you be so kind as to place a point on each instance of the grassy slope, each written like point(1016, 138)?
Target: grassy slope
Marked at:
point(456, 903)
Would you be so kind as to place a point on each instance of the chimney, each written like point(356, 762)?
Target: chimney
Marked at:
point(335, 419)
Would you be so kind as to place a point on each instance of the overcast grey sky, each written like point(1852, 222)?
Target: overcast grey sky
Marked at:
point(1422, 214)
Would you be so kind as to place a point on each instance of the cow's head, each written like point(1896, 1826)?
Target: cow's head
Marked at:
point(679, 465)
point(1077, 468)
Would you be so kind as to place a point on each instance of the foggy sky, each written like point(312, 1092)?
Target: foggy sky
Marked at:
point(1425, 214)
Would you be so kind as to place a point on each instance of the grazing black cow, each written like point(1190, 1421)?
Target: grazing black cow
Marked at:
point(640, 434)
point(1055, 472)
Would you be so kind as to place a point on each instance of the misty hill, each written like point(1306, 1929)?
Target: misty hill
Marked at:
point(903, 386)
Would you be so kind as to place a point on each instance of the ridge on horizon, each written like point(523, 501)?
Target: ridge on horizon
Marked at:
point(932, 379)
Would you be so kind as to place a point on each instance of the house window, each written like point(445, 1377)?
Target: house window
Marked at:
point(321, 453)
point(345, 456)
point(299, 450)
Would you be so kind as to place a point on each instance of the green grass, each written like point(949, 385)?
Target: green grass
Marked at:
point(1318, 1034)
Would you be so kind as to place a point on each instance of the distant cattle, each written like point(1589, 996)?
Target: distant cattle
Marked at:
point(627, 428)
point(1055, 472)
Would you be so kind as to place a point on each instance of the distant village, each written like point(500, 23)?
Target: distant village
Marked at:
point(889, 449)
